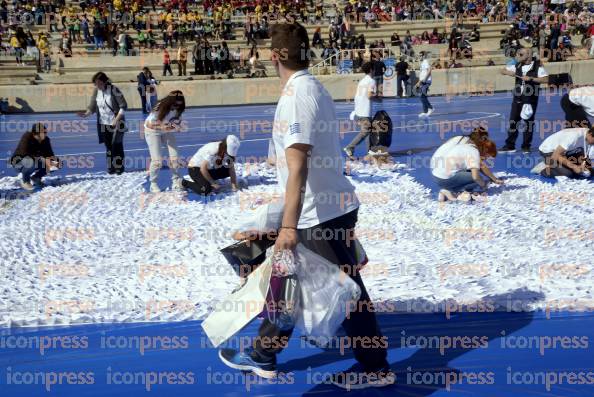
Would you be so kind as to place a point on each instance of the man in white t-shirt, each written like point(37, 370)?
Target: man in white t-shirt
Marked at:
point(320, 209)
point(366, 90)
point(529, 74)
point(424, 83)
point(578, 105)
point(566, 153)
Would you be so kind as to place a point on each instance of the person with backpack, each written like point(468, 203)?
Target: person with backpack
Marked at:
point(529, 75)
point(34, 157)
point(159, 129)
point(212, 162)
point(366, 90)
point(108, 102)
point(457, 165)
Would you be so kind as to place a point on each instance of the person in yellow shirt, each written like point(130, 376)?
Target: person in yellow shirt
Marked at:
point(18, 50)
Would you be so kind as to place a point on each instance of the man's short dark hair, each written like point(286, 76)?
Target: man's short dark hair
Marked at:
point(366, 67)
point(291, 43)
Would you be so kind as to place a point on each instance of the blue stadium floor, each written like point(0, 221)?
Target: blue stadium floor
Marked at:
point(507, 362)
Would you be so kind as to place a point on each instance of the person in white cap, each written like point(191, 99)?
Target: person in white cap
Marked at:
point(212, 162)
point(159, 129)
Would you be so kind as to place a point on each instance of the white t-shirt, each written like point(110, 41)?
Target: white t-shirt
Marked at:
point(362, 100)
point(456, 154)
point(568, 139)
point(106, 115)
point(305, 114)
point(525, 69)
point(584, 97)
point(207, 153)
point(425, 66)
point(152, 117)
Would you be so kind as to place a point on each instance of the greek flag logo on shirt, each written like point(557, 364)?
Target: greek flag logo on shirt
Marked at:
point(294, 129)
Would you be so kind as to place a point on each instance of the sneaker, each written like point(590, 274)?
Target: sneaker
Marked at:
point(155, 188)
point(507, 149)
point(243, 361)
point(421, 115)
point(430, 112)
point(27, 186)
point(355, 378)
point(538, 168)
point(348, 151)
point(526, 149)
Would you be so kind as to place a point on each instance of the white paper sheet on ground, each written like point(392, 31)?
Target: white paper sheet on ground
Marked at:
point(239, 308)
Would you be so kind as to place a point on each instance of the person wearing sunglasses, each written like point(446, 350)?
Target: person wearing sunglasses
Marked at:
point(34, 157)
point(159, 129)
point(212, 162)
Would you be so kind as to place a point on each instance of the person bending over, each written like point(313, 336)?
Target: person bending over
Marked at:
point(34, 157)
point(213, 161)
point(457, 165)
point(566, 153)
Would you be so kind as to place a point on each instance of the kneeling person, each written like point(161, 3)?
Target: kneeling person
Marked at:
point(212, 162)
point(564, 153)
point(34, 157)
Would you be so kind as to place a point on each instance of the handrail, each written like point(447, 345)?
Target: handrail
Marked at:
point(349, 54)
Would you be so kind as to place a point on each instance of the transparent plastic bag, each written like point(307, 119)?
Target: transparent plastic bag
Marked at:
point(327, 293)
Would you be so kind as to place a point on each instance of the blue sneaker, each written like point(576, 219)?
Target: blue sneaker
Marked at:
point(243, 361)
point(355, 378)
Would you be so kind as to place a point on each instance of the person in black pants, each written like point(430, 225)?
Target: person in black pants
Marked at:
point(108, 102)
point(213, 161)
point(325, 229)
point(578, 104)
point(529, 74)
point(143, 85)
point(401, 76)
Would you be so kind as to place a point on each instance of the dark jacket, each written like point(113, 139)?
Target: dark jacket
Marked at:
point(30, 147)
point(117, 102)
point(531, 88)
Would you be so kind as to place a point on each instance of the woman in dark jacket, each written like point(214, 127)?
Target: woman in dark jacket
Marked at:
point(34, 157)
point(108, 102)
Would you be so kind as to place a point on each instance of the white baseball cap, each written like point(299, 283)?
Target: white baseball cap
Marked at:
point(232, 145)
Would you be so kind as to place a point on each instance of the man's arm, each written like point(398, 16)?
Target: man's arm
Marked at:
point(206, 175)
point(508, 72)
point(297, 159)
point(558, 156)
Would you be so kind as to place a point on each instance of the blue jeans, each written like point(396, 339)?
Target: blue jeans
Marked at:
point(424, 100)
point(461, 181)
point(30, 168)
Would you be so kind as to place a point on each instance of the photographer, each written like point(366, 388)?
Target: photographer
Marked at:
point(565, 152)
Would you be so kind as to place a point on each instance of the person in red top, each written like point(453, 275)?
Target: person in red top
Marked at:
point(166, 63)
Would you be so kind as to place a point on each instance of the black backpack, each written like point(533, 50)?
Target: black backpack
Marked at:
point(381, 130)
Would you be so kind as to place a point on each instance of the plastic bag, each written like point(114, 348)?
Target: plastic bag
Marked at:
point(266, 218)
point(327, 293)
